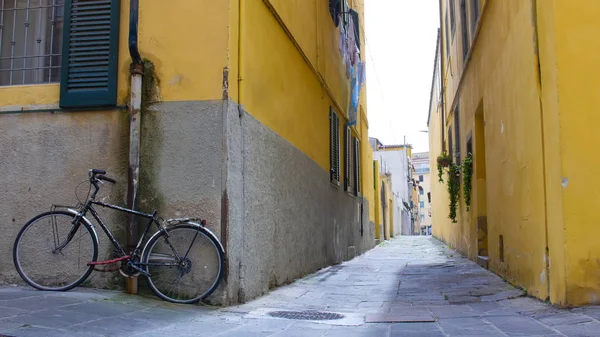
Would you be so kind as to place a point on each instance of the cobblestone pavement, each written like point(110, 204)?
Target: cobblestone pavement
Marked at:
point(409, 286)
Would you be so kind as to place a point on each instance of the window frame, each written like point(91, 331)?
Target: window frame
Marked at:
point(464, 24)
point(25, 33)
point(452, 6)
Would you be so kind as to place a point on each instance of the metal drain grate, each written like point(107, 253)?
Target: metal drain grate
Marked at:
point(307, 315)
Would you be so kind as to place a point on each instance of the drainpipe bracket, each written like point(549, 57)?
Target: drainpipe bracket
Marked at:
point(136, 68)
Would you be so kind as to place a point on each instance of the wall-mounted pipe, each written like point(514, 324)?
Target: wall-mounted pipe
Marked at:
point(135, 104)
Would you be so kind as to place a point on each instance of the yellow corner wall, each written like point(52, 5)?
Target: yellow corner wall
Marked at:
point(576, 31)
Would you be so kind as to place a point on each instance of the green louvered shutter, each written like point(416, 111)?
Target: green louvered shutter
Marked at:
point(90, 54)
point(357, 187)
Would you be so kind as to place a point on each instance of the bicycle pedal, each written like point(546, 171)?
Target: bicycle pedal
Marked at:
point(136, 267)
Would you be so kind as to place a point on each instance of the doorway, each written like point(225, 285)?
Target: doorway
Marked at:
point(479, 173)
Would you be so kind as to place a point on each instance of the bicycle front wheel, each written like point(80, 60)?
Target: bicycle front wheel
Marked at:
point(185, 263)
point(50, 255)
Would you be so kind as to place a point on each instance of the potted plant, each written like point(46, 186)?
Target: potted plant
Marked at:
point(443, 160)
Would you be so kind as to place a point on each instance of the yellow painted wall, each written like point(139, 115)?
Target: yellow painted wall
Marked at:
point(367, 168)
point(377, 200)
point(389, 211)
point(189, 65)
point(540, 186)
point(288, 79)
point(576, 45)
point(305, 74)
point(501, 76)
point(442, 227)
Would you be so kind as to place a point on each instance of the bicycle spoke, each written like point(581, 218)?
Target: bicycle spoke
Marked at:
point(44, 267)
point(191, 244)
point(199, 269)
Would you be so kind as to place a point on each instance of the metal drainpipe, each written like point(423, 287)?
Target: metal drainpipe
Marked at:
point(135, 103)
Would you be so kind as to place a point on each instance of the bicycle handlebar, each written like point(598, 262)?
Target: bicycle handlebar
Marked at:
point(99, 175)
point(105, 178)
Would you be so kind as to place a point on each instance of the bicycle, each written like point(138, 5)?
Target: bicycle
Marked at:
point(162, 261)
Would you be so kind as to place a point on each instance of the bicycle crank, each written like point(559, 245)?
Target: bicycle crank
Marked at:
point(132, 270)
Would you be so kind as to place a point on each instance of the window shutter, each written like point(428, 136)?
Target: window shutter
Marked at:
point(348, 159)
point(337, 146)
point(334, 142)
point(90, 54)
point(331, 151)
point(357, 187)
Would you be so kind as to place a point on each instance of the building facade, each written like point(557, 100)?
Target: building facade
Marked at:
point(270, 147)
point(422, 179)
point(395, 159)
point(518, 96)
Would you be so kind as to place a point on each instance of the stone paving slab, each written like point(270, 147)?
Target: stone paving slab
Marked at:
point(407, 279)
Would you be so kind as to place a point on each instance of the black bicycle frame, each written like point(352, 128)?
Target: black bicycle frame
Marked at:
point(88, 207)
point(151, 218)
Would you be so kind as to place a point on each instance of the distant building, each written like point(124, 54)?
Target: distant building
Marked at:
point(395, 159)
point(422, 178)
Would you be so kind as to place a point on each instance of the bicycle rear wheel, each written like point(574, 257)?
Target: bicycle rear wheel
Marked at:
point(41, 264)
point(185, 265)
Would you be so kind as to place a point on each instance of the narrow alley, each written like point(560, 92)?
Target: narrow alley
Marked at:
point(409, 286)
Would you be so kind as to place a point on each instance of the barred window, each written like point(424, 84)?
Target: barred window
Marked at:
point(31, 34)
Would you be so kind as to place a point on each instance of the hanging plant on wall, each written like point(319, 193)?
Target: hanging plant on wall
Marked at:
point(467, 169)
point(453, 189)
point(443, 160)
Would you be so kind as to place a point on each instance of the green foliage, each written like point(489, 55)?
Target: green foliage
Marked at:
point(467, 169)
point(443, 160)
point(453, 189)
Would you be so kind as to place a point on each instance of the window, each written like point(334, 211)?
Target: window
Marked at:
point(421, 178)
point(31, 41)
point(457, 133)
point(450, 146)
point(466, 43)
point(422, 217)
point(75, 42)
point(337, 8)
point(357, 187)
point(452, 17)
point(429, 199)
point(334, 146)
point(421, 191)
point(447, 38)
point(475, 9)
point(422, 204)
point(470, 144)
point(348, 177)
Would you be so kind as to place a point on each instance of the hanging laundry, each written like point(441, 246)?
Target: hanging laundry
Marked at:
point(362, 73)
point(351, 44)
point(354, 96)
point(356, 24)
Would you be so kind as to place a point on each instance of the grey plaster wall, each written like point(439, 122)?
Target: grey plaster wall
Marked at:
point(294, 220)
point(180, 160)
point(273, 208)
point(44, 157)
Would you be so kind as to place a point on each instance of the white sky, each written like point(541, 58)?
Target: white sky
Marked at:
point(401, 37)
